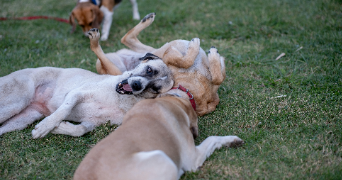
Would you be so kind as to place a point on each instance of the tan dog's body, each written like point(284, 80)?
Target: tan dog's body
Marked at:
point(190, 65)
point(155, 141)
point(89, 15)
point(76, 95)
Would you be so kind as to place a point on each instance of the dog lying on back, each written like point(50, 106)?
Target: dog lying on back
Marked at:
point(76, 95)
point(155, 141)
point(90, 14)
point(200, 74)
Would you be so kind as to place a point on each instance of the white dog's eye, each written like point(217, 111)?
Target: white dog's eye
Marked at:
point(149, 70)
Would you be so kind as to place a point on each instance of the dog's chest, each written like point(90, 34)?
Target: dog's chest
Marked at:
point(103, 107)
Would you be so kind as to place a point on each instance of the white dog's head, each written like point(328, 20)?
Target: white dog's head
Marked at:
point(150, 78)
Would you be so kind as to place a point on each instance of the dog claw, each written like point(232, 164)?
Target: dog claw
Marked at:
point(151, 15)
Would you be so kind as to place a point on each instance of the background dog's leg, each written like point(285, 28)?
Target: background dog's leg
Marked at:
point(107, 22)
point(174, 57)
point(72, 129)
point(52, 121)
point(207, 147)
point(136, 15)
point(20, 121)
point(130, 39)
point(105, 66)
point(216, 66)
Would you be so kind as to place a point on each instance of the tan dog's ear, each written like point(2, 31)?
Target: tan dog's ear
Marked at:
point(194, 131)
point(97, 17)
point(72, 22)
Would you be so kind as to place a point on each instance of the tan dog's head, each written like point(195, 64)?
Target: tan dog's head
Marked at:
point(87, 15)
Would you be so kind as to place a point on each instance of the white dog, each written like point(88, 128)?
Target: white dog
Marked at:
point(76, 95)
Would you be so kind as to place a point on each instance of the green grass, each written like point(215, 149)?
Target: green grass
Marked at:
point(294, 137)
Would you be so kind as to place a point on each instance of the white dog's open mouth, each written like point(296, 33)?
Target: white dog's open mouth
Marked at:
point(124, 88)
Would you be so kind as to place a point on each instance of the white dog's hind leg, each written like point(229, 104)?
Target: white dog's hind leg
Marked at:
point(72, 129)
point(20, 121)
point(208, 146)
point(107, 22)
point(136, 15)
point(52, 121)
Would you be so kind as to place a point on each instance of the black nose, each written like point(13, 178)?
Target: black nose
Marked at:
point(136, 86)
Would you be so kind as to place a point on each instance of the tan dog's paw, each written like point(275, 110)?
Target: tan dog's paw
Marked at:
point(148, 18)
point(237, 143)
point(233, 141)
point(213, 54)
point(194, 44)
point(94, 34)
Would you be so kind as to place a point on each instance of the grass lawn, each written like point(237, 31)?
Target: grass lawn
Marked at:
point(288, 111)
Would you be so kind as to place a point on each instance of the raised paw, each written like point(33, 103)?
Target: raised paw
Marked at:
point(43, 128)
point(94, 34)
point(213, 55)
point(194, 46)
point(149, 18)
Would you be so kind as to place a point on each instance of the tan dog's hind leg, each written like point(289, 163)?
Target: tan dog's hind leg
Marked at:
point(105, 66)
point(130, 39)
point(174, 57)
point(216, 66)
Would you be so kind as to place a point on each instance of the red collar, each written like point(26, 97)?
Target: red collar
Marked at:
point(191, 97)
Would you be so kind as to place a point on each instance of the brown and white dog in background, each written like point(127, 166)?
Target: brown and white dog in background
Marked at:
point(155, 141)
point(90, 13)
point(191, 67)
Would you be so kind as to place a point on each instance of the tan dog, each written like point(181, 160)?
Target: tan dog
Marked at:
point(90, 13)
point(155, 141)
point(190, 66)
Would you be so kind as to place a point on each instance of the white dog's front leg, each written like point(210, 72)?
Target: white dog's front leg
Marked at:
point(107, 22)
point(208, 146)
point(52, 121)
point(136, 14)
point(72, 129)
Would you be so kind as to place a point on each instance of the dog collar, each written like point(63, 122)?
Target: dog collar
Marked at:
point(95, 2)
point(191, 97)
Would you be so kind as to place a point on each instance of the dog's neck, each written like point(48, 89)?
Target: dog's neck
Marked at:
point(185, 94)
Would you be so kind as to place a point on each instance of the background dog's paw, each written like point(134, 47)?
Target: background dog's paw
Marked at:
point(149, 18)
point(94, 34)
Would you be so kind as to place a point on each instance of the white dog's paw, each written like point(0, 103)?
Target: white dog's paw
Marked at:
point(233, 141)
point(148, 18)
point(94, 34)
point(43, 128)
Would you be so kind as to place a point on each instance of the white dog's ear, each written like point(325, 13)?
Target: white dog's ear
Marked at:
point(149, 56)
